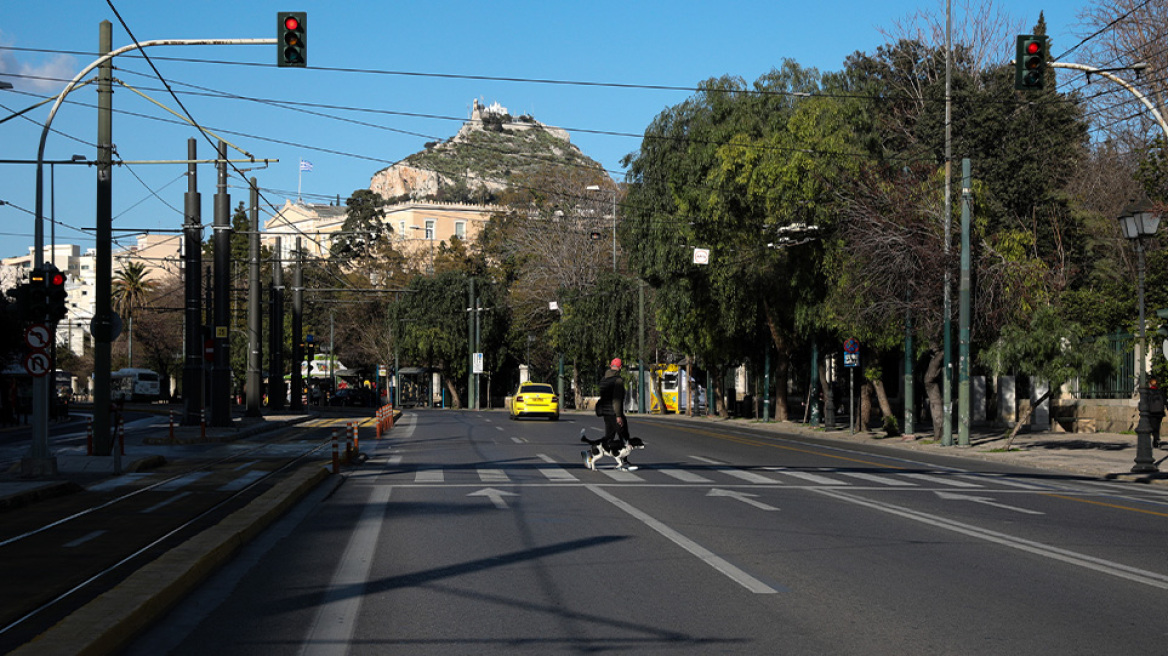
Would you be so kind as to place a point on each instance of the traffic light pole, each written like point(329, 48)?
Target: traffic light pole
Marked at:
point(39, 461)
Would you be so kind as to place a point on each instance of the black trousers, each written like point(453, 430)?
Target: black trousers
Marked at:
point(613, 431)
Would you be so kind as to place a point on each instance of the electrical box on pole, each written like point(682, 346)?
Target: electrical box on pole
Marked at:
point(292, 39)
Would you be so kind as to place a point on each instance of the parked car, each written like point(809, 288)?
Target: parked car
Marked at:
point(535, 400)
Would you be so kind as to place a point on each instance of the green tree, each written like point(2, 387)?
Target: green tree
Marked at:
point(429, 322)
point(365, 233)
point(131, 287)
point(1051, 349)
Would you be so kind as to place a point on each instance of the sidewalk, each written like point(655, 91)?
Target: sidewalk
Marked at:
point(1109, 456)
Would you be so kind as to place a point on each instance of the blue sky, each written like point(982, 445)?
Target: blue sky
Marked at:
point(420, 48)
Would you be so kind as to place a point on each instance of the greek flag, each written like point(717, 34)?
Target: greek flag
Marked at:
point(306, 165)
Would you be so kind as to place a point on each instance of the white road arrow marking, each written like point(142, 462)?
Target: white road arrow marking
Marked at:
point(988, 502)
point(744, 497)
point(496, 496)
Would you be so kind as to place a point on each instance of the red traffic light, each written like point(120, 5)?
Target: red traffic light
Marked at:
point(1032, 48)
point(57, 279)
point(291, 23)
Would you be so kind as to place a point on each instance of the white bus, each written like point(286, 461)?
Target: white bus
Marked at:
point(134, 385)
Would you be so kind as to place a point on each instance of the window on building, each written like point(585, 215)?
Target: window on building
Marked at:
point(430, 229)
point(460, 229)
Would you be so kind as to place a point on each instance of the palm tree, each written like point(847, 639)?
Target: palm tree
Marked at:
point(131, 288)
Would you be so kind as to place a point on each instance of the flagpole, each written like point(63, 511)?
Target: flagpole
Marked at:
point(299, 177)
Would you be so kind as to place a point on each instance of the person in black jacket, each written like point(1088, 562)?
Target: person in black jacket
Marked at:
point(1155, 409)
point(611, 406)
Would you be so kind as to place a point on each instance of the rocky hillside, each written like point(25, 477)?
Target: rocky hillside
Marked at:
point(487, 153)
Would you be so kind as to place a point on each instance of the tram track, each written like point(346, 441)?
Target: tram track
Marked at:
point(143, 533)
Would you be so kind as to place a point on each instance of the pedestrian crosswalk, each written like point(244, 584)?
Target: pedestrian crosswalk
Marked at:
point(699, 471)
point(702, 472)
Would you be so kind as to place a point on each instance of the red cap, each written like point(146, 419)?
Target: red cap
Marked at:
point(616, 363)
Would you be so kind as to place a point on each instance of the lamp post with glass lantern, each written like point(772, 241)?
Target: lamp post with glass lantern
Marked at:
point(1139, 221)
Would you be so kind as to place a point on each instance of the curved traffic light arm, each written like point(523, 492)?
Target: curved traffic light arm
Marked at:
point(1091, 70)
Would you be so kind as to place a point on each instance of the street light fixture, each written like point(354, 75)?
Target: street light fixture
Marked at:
point(1138, 221)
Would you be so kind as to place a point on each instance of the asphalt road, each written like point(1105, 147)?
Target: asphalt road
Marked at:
point(466, 533)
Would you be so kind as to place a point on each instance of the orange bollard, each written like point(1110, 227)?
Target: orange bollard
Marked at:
point(390, 413)
point(89, 436)
point(356, 442)
point(172, 426)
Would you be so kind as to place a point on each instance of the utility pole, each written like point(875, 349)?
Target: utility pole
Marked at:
point(297, 329)
point(276, 332)
point(192, 274)
point(255, 308)
point(964, 316)
point(221, 369)
point(470, 377)
point(947, 379)
point(104, 333)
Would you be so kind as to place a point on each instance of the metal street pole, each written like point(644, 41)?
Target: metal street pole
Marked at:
point(192, 274)
point(963, 400)
point(297, 402)
point(255, 308)
point(276, 331)
point(947, 386)
point(221, 368)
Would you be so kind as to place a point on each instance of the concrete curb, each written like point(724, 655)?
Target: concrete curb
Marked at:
point(107, 624)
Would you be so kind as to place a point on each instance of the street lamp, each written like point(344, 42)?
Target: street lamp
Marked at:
point(597, 188)
point(1139, 221)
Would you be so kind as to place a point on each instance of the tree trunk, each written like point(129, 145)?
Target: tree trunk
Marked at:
point(456, 401)
point(781, 347)
point(1025, 418)
point(719, 391)
point(882, 399)
point(933, 390)
point(865, 414)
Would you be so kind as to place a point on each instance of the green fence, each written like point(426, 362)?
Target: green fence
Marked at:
point(1120, 383)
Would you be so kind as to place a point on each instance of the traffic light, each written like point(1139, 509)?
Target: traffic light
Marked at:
point(1030, 62)
point(292, 38)
point(55, 296)
point(36, 301)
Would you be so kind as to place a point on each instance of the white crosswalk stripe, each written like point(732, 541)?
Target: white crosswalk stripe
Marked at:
point(557, 475)
point(622, 476)
point(882, 480)
point(493, 476)
point(941, 480)
point(182, 481)
point(808, 476)
point(685, 476)
point(243, 481)
point(429, 476)
point(118, 481)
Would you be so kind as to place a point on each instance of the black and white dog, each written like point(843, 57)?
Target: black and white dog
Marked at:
point(597, 450)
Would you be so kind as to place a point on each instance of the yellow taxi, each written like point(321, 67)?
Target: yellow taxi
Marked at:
point(535, 400)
